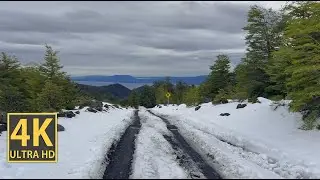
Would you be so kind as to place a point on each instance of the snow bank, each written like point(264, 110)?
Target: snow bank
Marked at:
point(154, 157)
point(269, 138)
point(81, 148)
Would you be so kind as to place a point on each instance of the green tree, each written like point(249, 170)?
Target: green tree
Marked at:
point(33, 84)
point(263, 34)
point(12, 91)
point(192, 96)
point(303, 54)
point(147, 97)
point(240, 88)
point(70, 93)
point(9, 71)
point(50, 99)
point(276, 70)
point(161, 88)
point(264, 31)
point(51, 66)
point(223, 95)
point(180, 89)
point(204, 92)
point(42, 87)
point(12, 100)
point(52, 70)
point(169, 87)
point(133, 99)
point(219, 78)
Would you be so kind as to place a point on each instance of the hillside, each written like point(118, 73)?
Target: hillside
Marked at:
point(113, 92)
point(118, 90)
point(257, 141)
point(196, 80)
point(262, 139)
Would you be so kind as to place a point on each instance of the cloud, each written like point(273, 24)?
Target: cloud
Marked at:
point(138, 38)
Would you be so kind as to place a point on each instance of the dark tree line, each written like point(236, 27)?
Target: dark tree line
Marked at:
point(37, 88)
point(282, 62)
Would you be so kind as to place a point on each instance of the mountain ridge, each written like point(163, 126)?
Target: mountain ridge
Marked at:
point(112, 92)
point(196, 80)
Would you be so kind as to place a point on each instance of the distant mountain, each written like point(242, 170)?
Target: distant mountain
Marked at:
point(118, 90)
point(138, 89)
point(98, 83)
point(196, 80)
point(112, 93)
point(114, 79)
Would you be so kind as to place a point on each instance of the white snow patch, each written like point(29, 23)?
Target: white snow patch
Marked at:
point(154, 157)
point(81, 148)
point(268, 138)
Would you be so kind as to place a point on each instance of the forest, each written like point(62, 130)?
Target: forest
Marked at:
point(282, 61)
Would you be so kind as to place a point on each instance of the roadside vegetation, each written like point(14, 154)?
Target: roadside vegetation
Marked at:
point(282, 62)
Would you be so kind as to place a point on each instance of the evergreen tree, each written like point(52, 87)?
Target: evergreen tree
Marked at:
point(50, 99)
point(9, 70)
point(279, 61)
point(12, 97)
point(241, 88)
point(264, 31)
point(303, 54)
point(70, 93)
point(133, 99)
point(147, 97)
point(51, 67)
point(263, 34)
point(219, 77)
point(33, 84)
point(161, 88)
point(35, 88)
point(169, 87)
point(192, 96)
point(204, 92)
point(160, 91)
point(12, 100)
point(276, 70)
point(52, 70)
point(180, 89)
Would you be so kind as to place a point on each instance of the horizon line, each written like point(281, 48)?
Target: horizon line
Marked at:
point(135, 76)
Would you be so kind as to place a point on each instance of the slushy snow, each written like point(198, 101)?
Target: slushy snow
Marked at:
point(253, 142)
point(257, 141)
point(154, 157)
point(82, 147)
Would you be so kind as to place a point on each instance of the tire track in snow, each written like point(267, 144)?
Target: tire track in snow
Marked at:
point(282, 168)
point(186, 153)
point(120, 155)
point(154, 158)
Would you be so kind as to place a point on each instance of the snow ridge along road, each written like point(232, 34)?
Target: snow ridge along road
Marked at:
point(232, 155)
point(120, 154)
point(179, 144)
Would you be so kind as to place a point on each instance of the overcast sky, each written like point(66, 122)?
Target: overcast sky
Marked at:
point(135, 38)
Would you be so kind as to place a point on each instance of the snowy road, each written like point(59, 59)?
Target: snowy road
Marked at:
point(223, 141)
point(177, 142)
point(120, 155)
point(185, 161)
point(160, 146)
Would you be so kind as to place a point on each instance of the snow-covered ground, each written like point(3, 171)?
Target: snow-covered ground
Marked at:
point(81, 147)
point(256, 141)
point(262, 142)
point(154, 157)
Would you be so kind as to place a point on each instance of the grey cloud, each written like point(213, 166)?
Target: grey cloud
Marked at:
point(190, 40)
point(201, 16)
point(35, 38)
point(138, 38)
